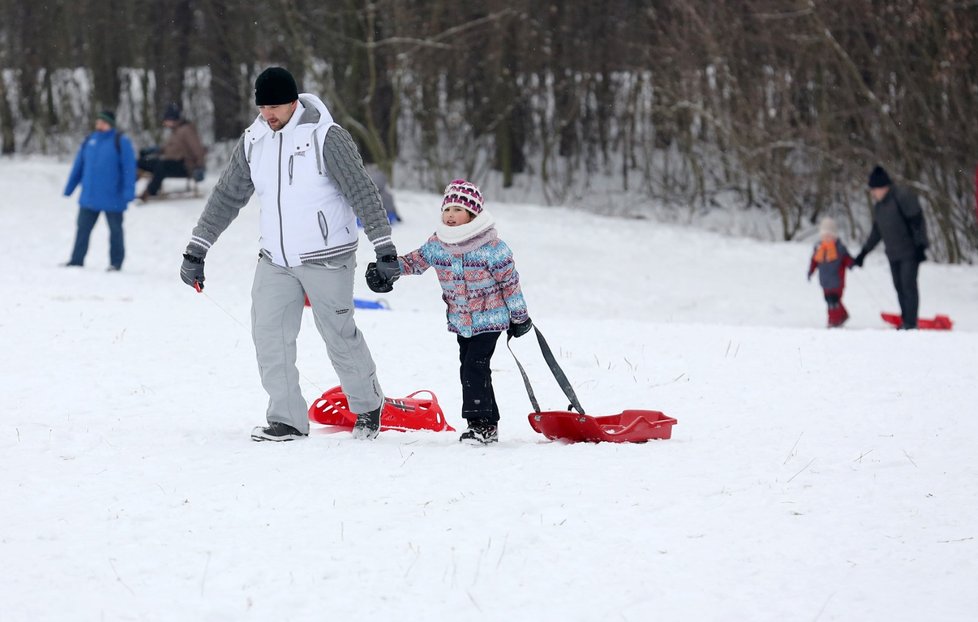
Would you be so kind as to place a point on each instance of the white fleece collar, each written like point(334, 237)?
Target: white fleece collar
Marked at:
point(461, 233)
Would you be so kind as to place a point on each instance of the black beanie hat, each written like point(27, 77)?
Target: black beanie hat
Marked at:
point(108, 116)
point(275, 86)
point(878, 178)
point(172, 112)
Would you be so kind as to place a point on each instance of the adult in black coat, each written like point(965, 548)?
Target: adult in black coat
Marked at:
point(899, 222)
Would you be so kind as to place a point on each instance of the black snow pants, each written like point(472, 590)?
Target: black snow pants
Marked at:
point(478, 399)
point(905, 281)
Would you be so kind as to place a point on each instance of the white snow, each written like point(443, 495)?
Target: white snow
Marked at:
point(814, 474)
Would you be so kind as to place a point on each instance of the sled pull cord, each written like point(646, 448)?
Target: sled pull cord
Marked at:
point(555, 369)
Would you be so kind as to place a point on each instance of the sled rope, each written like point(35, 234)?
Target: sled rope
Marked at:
point(248, 331)
point(555, 369)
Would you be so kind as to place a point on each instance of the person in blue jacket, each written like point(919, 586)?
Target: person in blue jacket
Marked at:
point(106, 169)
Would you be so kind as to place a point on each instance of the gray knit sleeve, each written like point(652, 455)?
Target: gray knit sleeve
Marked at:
point(345, 167)
point(231, 193)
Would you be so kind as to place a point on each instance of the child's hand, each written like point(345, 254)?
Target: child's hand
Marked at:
point(518, 329)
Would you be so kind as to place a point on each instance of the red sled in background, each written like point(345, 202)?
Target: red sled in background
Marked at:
point(938, 322)
point(408, 413)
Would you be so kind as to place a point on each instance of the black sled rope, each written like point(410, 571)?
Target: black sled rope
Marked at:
point(555, 369)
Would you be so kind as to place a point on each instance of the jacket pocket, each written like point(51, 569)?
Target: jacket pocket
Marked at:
point(323, 227)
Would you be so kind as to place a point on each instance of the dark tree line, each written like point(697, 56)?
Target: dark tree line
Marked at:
point(695, 104)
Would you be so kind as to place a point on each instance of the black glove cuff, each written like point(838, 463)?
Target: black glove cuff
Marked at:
point(193, 258)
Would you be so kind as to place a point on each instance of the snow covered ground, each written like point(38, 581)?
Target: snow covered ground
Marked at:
point(813, 475)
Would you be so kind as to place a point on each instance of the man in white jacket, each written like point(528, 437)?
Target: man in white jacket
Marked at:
point(312, 185)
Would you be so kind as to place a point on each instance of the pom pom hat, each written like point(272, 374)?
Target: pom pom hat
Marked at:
point(828, 227)
point(464, 194)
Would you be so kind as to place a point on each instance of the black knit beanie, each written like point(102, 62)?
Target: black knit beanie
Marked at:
point(108, 116)
point(878, 178)
point(275, 86)
point(172, 112)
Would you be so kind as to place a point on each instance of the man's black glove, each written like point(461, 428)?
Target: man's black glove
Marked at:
point(375, 282)
point(858, 261)
point(382, 273)
point(920, 255)
point(199, 174)
point(518, 329)
point(192, 271)
point(388, 268)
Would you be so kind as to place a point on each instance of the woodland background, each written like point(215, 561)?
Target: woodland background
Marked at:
point(666, 108)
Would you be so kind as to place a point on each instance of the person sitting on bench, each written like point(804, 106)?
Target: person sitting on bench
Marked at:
point(182, 155)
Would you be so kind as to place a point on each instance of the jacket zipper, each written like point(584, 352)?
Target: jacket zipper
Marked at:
point(281, 224)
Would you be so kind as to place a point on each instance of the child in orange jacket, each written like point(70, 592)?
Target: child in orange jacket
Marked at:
point(831, 258)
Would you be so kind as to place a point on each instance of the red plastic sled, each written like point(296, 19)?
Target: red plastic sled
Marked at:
point(631, 426)
point(409, 413)
point(938, 322)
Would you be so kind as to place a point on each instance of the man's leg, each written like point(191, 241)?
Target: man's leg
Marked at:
point(86, 222)
point(911, 297)
point(330, 291)
point(276, 314)
point(162, 170)
point(895, 272)
point(117, 245)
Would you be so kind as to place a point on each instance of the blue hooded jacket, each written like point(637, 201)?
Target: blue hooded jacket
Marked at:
point(106, 172)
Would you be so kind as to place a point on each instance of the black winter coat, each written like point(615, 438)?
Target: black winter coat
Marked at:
point(899, 222)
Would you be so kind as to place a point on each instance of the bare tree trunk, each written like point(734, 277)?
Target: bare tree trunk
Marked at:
point(7, 145)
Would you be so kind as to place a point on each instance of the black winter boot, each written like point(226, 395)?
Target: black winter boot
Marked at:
point(367, 426)
point(480, 433)
point(276, 431)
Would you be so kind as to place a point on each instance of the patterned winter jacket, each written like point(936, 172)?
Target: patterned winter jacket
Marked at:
point(478, 279)
point(831, 259)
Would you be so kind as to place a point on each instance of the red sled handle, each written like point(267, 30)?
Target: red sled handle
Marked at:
point(432, 395)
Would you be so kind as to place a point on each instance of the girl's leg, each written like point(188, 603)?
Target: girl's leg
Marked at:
point(478, 399)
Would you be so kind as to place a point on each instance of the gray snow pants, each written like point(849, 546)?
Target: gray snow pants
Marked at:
point(278, 299)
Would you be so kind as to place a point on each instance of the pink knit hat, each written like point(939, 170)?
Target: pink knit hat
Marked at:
point(463, 194)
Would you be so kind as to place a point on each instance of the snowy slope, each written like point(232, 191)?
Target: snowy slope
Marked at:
point(814, 474)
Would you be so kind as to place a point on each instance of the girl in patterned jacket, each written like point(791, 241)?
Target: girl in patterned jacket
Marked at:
point(831, 258)
point(481, 287)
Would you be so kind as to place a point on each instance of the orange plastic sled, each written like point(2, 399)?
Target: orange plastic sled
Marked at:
point(409, 413)
point(631, 426)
